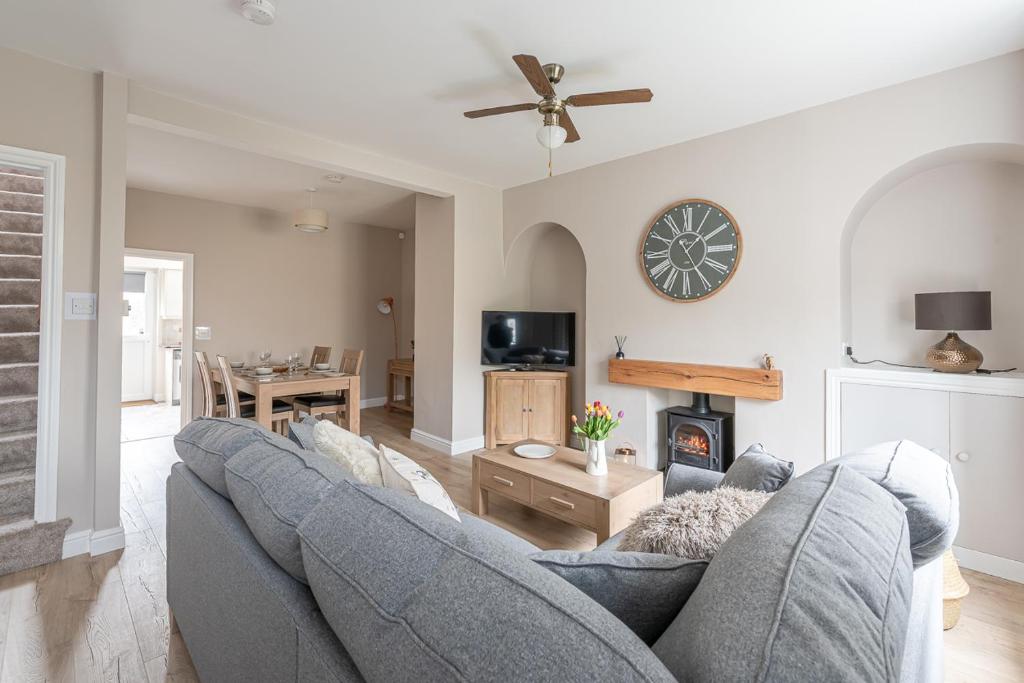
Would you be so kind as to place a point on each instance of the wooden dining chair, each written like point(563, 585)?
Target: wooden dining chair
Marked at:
point(209, 402)
point(321, 354)
point(282, 412)
point(332, 405)
point(215, 402)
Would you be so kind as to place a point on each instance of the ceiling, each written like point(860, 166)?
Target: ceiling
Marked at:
point(165, 162)
point(394, 77)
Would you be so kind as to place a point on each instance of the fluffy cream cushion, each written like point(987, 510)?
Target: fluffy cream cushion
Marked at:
point(349, 450)
point(692, 525)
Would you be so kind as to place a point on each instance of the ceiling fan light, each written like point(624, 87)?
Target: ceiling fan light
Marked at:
point(310, 220)
point(551, 136)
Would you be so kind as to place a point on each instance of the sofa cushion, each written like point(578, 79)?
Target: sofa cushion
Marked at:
point(301, 432)
point(923, 482)
point(644, 590)
point(274, 484)
point(816, 586)
point(206, 443)
point(758, 470)
point(414, 595)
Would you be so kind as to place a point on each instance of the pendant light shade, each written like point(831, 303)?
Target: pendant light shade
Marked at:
point(310, 219)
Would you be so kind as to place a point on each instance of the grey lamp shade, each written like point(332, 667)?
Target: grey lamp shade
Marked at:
point(952, 311)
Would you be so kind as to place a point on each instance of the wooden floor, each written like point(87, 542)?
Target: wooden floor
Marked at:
point(105, 618)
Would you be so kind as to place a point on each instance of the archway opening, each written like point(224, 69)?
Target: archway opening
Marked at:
point(546, 270)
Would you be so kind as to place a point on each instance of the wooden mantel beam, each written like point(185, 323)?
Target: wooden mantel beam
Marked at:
point(711, 379)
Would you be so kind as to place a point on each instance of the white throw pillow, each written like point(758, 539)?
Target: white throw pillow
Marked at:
point(349, 450)
point(399, 472)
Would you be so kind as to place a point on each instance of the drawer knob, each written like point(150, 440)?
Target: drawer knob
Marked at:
point(502, 480)
point(564, 503)
point(963, 457)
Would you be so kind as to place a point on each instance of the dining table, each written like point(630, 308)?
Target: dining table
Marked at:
point(302, 381)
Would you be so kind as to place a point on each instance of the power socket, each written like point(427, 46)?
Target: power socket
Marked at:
point(847, 349)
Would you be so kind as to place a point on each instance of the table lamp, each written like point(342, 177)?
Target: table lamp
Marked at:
point(953, 311)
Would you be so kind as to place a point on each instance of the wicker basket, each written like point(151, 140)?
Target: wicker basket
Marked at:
point(954, 589)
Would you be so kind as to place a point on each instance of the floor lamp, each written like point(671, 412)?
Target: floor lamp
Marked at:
point(386, 306)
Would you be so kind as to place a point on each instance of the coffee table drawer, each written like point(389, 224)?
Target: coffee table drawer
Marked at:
point(505, 481)
point(564, 503)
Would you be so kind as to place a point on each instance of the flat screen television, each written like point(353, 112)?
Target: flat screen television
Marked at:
point(528, 338)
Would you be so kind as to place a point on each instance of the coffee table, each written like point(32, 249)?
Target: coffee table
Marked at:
point(559, 486)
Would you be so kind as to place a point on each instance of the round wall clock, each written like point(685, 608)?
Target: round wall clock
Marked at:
point(690, 250)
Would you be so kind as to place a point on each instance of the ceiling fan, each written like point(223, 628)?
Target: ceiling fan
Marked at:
point(558, 127)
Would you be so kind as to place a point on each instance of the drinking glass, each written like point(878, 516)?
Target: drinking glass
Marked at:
point(264, 356)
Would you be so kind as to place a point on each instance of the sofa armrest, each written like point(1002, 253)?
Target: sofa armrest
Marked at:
point(682, 478)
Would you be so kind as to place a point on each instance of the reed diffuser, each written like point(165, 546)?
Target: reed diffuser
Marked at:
point(620, 342)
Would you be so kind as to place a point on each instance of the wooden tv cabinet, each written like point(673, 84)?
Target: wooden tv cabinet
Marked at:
point(526, 404)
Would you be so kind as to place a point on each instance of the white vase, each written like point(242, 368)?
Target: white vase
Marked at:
point(597, 463)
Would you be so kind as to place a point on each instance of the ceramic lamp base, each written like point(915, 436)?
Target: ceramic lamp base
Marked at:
point(953, 354)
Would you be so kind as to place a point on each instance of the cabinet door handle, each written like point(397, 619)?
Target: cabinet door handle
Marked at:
point(963, 457)
point(502, 480)
point(563, 503)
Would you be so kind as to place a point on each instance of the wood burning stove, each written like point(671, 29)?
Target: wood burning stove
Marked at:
point(699, 436)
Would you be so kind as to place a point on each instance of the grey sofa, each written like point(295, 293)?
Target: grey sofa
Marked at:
point(281, 568)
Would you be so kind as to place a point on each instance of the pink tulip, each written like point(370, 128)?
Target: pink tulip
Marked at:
point(622, 414)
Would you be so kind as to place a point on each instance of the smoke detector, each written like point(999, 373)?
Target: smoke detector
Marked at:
point(259, 11)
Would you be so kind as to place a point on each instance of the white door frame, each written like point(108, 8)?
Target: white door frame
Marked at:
point(52, 166)
point(187, 333)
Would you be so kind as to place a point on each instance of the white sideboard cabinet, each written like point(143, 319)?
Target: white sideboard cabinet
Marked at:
point(976, 422)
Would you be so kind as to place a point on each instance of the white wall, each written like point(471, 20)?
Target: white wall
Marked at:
point(259, 283)
point(792, 184)
point(957, 227)
point(57, 110)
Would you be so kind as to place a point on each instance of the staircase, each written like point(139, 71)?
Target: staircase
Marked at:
point(23, 541)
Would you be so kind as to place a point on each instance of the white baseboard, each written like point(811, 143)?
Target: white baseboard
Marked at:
point(445, 445)
point(993, 565)
point(373, 402)
point(93, 542)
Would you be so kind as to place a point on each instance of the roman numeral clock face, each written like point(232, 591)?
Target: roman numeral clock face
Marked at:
point(690, 251)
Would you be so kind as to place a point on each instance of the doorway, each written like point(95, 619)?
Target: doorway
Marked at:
point(156, 334)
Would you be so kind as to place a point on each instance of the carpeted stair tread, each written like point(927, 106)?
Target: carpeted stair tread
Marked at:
point(23, 245)
point(15, 201)
point(30, 267)
point(26, 543)
point(18, 318)
point(21, 379)
point(21, 222)
point(17, 451)
point(16, 182)
point(17, 493)
point(18, 414)
point(19, 348)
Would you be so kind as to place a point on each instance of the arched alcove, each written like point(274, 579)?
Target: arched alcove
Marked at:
point(945, 221)
point(545, 270)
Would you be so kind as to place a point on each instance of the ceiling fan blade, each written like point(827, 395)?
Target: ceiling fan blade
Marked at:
point(572, 135)
point(531, 68)
point(477, 113)
point(613, 97)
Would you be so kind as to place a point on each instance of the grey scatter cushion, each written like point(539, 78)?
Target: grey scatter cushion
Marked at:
point(206, 443)
point(644, 590)
point(483, 528)
point(301, 433)
point(758, 470)
point(274, 485)
point(692, 525)
point(414, 595)
point(815, 587)
point(923, 482)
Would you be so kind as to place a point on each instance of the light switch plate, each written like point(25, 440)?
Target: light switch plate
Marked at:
point(203, 333)
point(79, 305)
